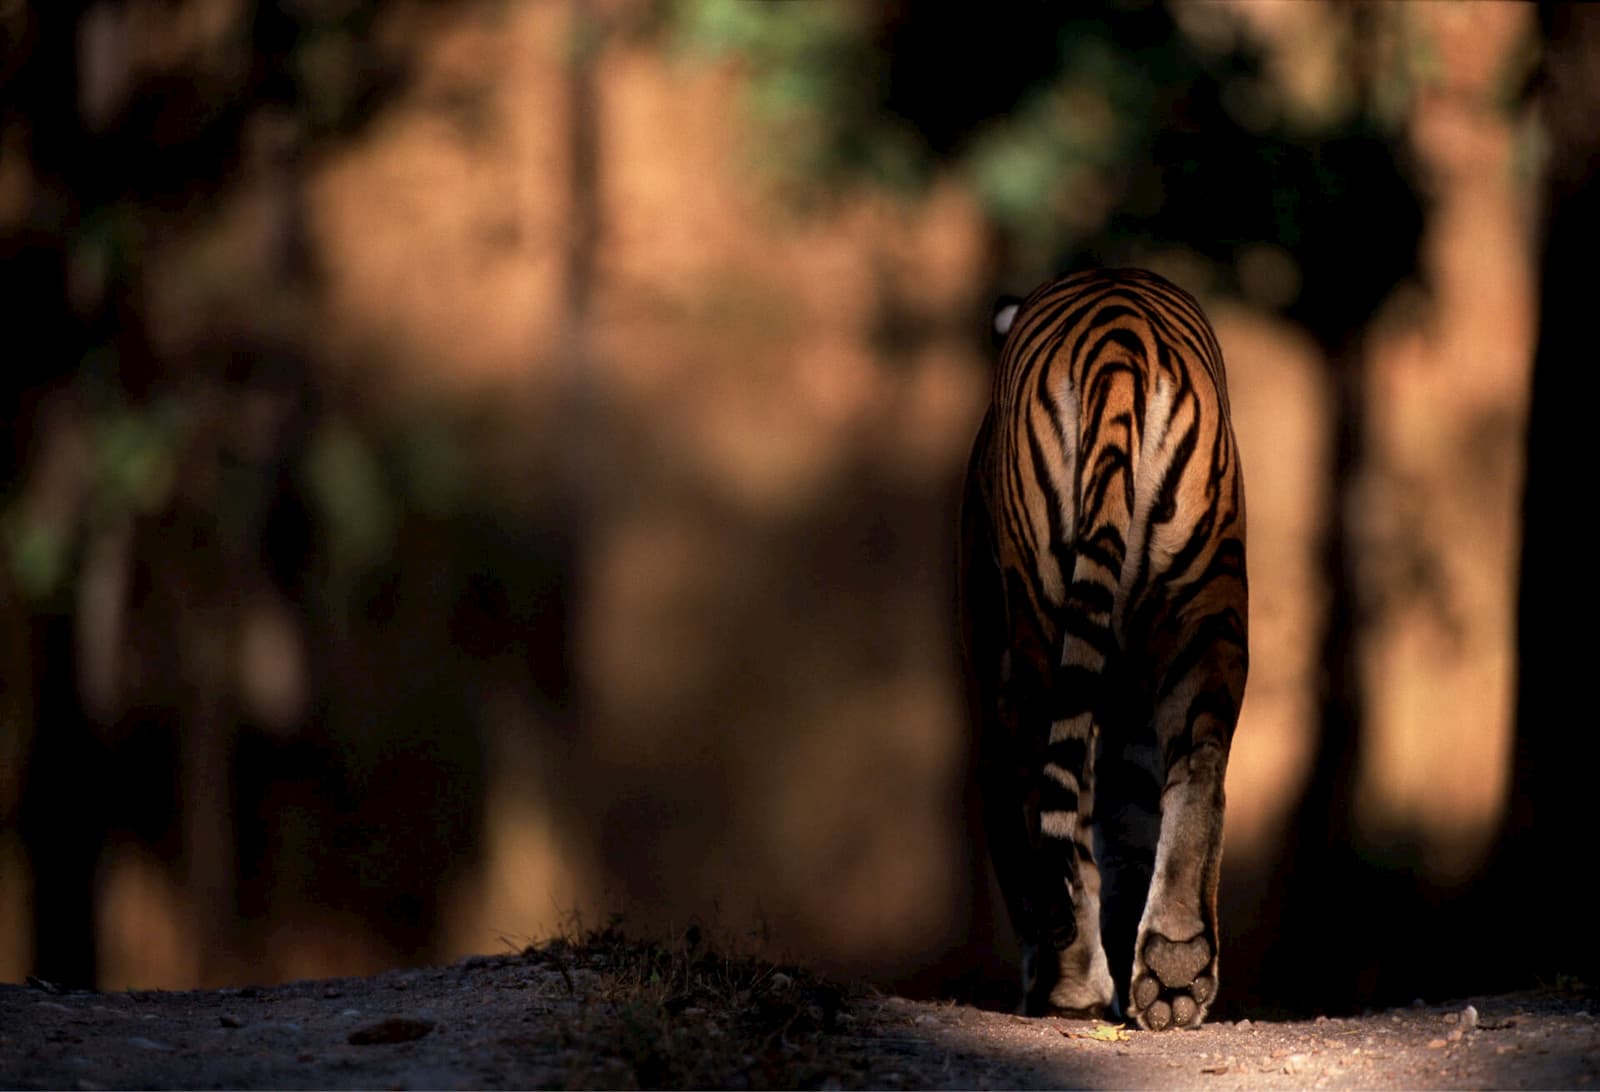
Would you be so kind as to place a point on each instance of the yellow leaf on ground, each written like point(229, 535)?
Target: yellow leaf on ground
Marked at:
point(1105, 1033)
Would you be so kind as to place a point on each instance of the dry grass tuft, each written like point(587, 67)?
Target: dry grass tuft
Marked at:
point(691, 1014)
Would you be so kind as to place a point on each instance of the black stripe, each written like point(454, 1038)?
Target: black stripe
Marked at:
point(1090, 596)
point(1097, 635)
point(1120, 336)
point(1217, 704)
point(1075, 692)
point(1226, 563)
point(1105, 548)
point(1109, 465)
point(1049, 497)
point(1213, 702)
point(1071, 754)
point(1224, 627)
point(1054, 796)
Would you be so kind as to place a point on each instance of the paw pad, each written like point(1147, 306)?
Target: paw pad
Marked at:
point(1173, 982)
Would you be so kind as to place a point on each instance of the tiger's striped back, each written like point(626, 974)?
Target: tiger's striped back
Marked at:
point(1105, 611)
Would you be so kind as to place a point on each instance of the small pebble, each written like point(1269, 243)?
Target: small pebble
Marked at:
point(228, 1020)
point(1435, 1044)
point(147, 1044)
point(1469, 1018)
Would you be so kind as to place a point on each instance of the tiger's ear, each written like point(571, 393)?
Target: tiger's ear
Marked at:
point(1005, 313)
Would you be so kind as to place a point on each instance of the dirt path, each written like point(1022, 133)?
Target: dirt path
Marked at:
point(623, 1015)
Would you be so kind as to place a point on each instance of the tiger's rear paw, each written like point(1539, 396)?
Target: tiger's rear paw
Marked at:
point(1173, 982)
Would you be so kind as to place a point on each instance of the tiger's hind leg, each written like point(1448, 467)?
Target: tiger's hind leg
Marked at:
point(1064, 967)
point(1128, 779)
point(1065, 971)
point(1174, 975)
point(1074, 977)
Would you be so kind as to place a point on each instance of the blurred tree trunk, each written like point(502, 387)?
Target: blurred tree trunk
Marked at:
point(1546, 847)
point(62, 817)
point(1319, 960)
point(218, 590)
point(577, 439)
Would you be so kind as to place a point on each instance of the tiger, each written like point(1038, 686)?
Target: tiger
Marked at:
point(1104, 610)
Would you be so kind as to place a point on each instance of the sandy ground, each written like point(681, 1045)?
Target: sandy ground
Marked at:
point(577, 1017)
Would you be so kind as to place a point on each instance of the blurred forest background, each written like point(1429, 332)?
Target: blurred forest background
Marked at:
point(476, 467)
